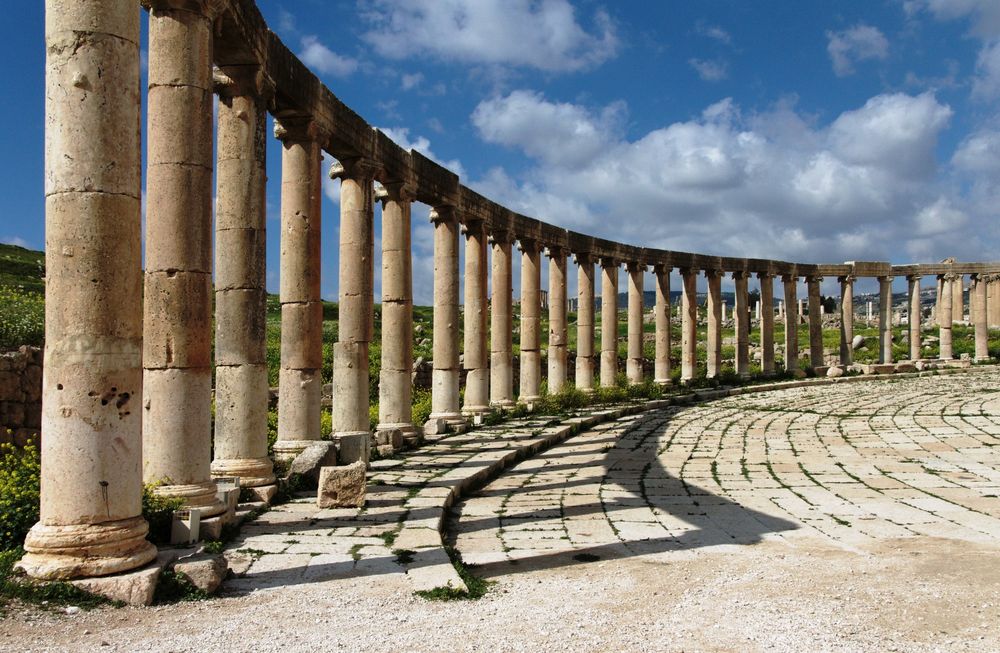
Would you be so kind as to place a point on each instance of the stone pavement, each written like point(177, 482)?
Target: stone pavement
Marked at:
point(849, 463)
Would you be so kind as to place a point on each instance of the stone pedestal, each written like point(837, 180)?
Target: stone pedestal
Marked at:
point(913, 320)
point(445, 390)
point(177, 318)
point(791, 323)
point(713, 314)
point(944, 316)
point(661, 312)
point(609, 322)
point(885, 320)
point(633, 366)
point(741, 317)
point(815, 322)
point(299, 380)
point(501, 323)
point(766, 323)
point(558, 332)
point(531, 308)
point(689, 324)
point(846, 320)
point(476, 362)
point(585, 323)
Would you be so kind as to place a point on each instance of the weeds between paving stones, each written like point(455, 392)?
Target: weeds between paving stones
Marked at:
point(45, 594)
point(477, 586)
point(173, 588)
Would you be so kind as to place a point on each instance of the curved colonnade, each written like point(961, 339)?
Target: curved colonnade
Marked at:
point(128, 378)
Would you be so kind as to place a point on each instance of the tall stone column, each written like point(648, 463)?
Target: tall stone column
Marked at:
point(635, 310)
point(299, 378)
point(177, 316)
point(958, 299)
point(977, 305)
point(531, 309)
point(241, 389)
point(938, 299)
point(444, 392)
point(741, 317)
point(791, 323)
point(713, 310)
point(661, 313)
point(395, 387)
point(993, 301)
point(766, 323)
point(476, 360)
point(609, 322)
point(944, 315)
point(91, 481)
point(885, 320)
point(689, 324)
point(558, 332)
point(846, 320)
point(501, 324)
point(585, 323)
point(913, 319)
point(815, 322)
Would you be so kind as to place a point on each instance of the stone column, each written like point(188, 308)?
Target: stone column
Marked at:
point(299, 378)
point(91, 482)
point(846, 320)
point(241, 389)
point(501, 324)
point(791, 323)
point(395, 387)
point(815, 322)
point(444, 393)
point(476, 359)
point(913, 320)
point(609, 322)
point(713, 310)
point(958, 299)
point(585, 323)
point(177, 316)
point(944, 316)
point(766, 323)
point(531, 308)
point(661, 312)
point(741, 317)
point(977, 305)
point(993, 301)
point(885, 320)
point(937, 299)
point(689, 323)
point(635, 311)
point(558, 333)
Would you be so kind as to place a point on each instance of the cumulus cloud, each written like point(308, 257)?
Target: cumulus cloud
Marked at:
point(324, 60)
point(772, 184)
point(545, 34)
point(986, 83)
point(710, 71)
point(410, 81)
point(854, 45)
point(714, 32)
point(401, 136)
point(985, 14)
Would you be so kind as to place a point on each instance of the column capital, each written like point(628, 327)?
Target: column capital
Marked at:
point(555, 251)
point(501, 236)
point(978, 276)
point(243, 81)
point(474, 227)
point(913, 277)
point(208, 8)
point(358, 168)
point(814, 278)
point(661, 268)
point(790, 278)
point(395, 191)
point(847, 278)
point(633, 266)
point(583, 258)
point(764, 275)
point(950, 276)
point(298, 129)
point(714, 273)
point(608, 262)
point(528, 245)
point(443, 214)
point(885, 277)
point(741, 274)
point(685, 272)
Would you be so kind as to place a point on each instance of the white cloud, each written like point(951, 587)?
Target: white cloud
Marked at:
point(14, 240)
point(710, 71)
point(410, 81)
point(545, 35)
point(401, 137)
point(324, 60)
point(985, 14)
point(854, 45)
point(979, 153)
point(986, 83)
point(714, 32)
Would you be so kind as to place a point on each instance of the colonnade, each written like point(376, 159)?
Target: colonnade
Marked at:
point(128, 385)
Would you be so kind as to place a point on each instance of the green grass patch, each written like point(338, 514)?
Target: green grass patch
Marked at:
point(477, 587)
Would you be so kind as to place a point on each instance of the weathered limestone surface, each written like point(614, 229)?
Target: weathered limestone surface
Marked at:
point(558, 332)
point(531, 355)
point(21, 395)
point(977, 303)
point(713, 315)
point(958, 298)
point(741, 316)
point(915, 314)
point(661, 371)
point(476, 360)
point(585, 323)
point(791, 323)
point(689, 323)
point(342, 486)
point(767, 323)
point(945, 306)
point(846, 320)
point(609, 322)
point(501, 326)
point(885, 320)
point(815, 322)
point(444, 394)
point(635, 311)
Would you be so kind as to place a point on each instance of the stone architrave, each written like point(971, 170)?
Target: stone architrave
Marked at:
point(661, 371)
point(815, 321)
point(445, 388)
point(766, 281)
point(945, 306)
point(241, 388)
point(476, 358)
point(633, 366)
point(609, 322)
point(846, 320)
point(91, 481)
point(791, 323)
point(885, 320)
point(299, 376)
point(689, 324)
point(914, 317)
point(501, 322)
point(585, 323)
point(741, 318)
point(713, 313)
point(177, 298)
point(531, 308)
point(558, 332)
point(395, 407)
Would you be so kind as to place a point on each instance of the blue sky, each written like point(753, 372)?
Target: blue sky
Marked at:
point(811, 131)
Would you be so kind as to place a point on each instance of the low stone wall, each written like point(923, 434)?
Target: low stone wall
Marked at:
point(21, 395)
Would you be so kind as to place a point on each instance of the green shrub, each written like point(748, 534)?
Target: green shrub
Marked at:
point(22, 317)
point(421, 406)
point(20, 473)
point(159, 512)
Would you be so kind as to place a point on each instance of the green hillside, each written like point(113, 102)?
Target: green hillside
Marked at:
point(20, 267)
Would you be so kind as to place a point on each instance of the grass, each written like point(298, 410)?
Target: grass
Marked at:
point(477, 587)
point(48, 595)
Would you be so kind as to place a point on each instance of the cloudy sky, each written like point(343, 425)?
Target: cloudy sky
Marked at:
point(808, 131)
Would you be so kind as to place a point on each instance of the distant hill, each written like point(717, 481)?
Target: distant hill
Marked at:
point(22, 267)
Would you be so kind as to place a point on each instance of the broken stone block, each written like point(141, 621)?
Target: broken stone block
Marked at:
point(262, 494)
point(354, 447)
point(834, 372)
point(134, 588)
point(435, 426)
point(205, 571)
point(314, 457)
point(342, 487)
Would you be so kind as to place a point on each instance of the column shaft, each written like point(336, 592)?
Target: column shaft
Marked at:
point(713, 311)
point(177, 316)
point(993, 302)
point(241, 388)
point(885, 320)
point(741, 318)
point(91, 479)
point(914, 317)
point(689, 323)
point(766, 324)
point(958, 299)
point(633, 367)
point(444, 393)
point(501, 324)
point(585, 323)
point(791, 324)
point(661, 372)
point(476, 359)
point(977, 304)
point(557, 320)
point(609, 322)
point(944, 316)
point(815, 322)
point(846, 320)
point(531, 308)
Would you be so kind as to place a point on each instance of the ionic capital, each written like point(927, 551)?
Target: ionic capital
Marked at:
point(394, 191)
point(208, 8)
point(913, 277)
point(443, 215)
point(298, 129)
point(583, 258)
point(528, 245)
point(740, 275)
point(814, 279)
point(790, 278)
point(885, 278)
point(357, 168)
point(474, 227)
point(635, 266)
point(661, 268)
point(556, 252)
point(240, 81)
point(711, 274)
point(847, 278)
point(501, 237)
point(765, 276)
point(607, 262)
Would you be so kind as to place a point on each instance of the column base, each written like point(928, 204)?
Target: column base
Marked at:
point(200, 496)
point(452, 418)
point(287, 450)
point(471, 411)
point(663, 381)
point(503, 404)
point(84, 550)
point(252, 472)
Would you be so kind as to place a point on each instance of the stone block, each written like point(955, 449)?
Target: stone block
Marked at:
point(835, 372)
point(354, 447)
point(263, 493)
point(435, 426)
point(906, 367)
point(887, 368)
point(205, 571)
point(342, 487)
point(134, 587)
point(211, 527)
point(314, 457)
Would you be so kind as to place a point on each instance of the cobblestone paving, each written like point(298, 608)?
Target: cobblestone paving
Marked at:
point(851, 464)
